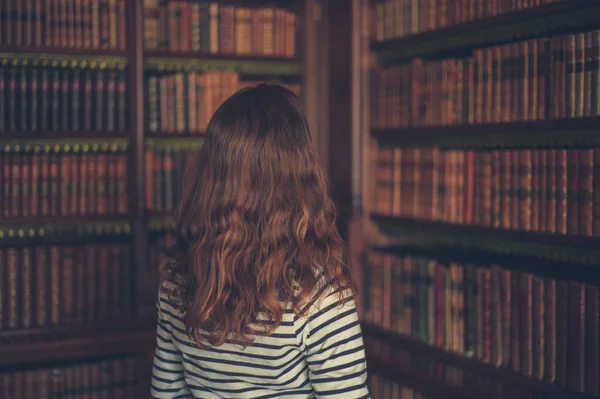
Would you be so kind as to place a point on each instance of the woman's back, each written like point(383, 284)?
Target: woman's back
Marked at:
point(257, 261)
point(320, 354)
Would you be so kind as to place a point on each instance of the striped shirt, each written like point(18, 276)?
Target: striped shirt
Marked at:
point(320, 355)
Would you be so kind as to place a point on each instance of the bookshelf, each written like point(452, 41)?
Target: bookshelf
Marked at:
point(98, 186)
point(475, 186)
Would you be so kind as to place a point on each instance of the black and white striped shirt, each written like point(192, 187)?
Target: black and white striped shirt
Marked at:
point(320, 355)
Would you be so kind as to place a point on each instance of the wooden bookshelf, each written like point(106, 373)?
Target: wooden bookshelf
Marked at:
point(249, 65)
point(423, 72)
point(80, 347)
point(554, 247)
point(548, 19)
point(466, 365)
point(571, 133)
point(25, 348)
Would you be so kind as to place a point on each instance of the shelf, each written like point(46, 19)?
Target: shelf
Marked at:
point(555, 18)
point(175, 135)
point(61, 135)
point(250, 65)
point(102, 58)
point(161, 222)
point(583, 132)
point(95, 345)
point(581, 250)
point(176, 143)
point(62, 228)
point(64, 144)
point(468, 366)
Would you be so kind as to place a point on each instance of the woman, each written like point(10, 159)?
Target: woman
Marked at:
point(256, 299)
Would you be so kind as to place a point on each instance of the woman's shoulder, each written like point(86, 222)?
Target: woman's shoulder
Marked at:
point(168, 294)
point(327, 294)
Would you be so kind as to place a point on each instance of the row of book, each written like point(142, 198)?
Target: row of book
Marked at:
point(39, 181)
point(84, 24)
point(449, 378)
point(399, 18)
point(546, 78)
point(52, 96)
point(549, 190)
point(205, 27)
point(384, 388)
point(538, 326)
point(164, 176)
point(115, 378)
point(52, 286)
point(184, 102)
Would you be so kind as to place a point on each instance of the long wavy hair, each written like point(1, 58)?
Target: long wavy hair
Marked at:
point(255, 230)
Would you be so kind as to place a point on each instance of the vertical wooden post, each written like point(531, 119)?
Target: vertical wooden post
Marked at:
point(340, 21)
point(136, 165)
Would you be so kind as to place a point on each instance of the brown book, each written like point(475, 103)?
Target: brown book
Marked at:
point(26, 292)
point(505, 188)
point(526, 321)
point(42, 287)
point(550, 330)
point(586, 191)
point(487, 189)
point(91, 282)
point(12, 288)
point(538, 329)
point(542, 171)
point(496, 316)
point(561, 166)
point(3, 290)
point(505, 308)
point(580, 88)
point(562, 327)
point(576, 341)
point(386, 294)
point(596, 193)
point(592, 341)
point(15, 191)
point(525, 189)
point(573, 190)
point(487, 315)
point(516, 308)
point(571, 72)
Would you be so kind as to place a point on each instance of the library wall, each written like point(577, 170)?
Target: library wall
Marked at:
point(479, 276)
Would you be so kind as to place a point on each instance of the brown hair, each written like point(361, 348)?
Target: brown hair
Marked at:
point(255, 229)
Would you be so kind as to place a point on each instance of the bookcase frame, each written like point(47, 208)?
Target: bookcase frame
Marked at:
point(47, 345)
point(570, 257)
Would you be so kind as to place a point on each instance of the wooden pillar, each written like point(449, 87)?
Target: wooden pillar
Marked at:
point(340, 34)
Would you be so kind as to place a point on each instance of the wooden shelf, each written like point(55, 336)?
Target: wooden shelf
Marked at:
point(582, 132)
point(243, 64)
point(175, 135)
point(427, 353)
point(62, 135)
point(96, 345)
point(553, 247)
point(160, 222)
point(191, 142)
point(62, 228)
point(120, 144)
point(419, 382)
point(32, 53)
point(555, 18)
